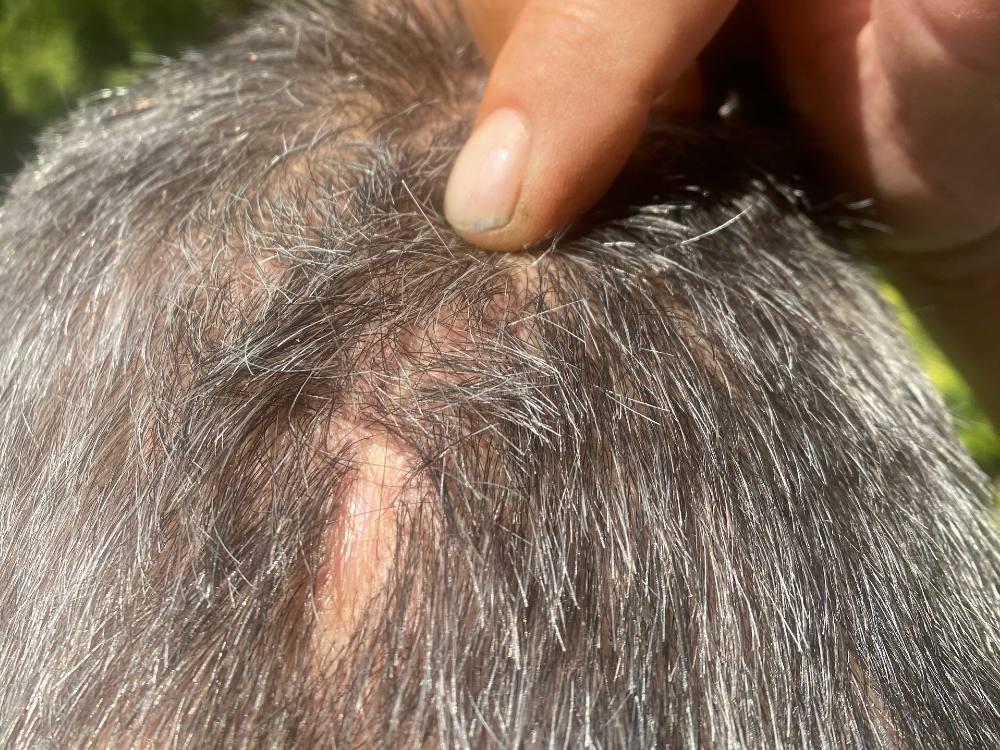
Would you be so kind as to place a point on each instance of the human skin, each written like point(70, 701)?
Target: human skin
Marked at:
point(289, 465)
point(901, 95)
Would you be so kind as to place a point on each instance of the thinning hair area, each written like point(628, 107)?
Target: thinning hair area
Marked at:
point(286, 463)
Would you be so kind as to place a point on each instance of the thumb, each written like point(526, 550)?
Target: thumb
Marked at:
point(566, 102)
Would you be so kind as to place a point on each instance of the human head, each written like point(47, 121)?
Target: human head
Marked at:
point(288, 464)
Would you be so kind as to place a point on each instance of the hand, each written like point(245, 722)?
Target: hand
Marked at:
point(903, 94)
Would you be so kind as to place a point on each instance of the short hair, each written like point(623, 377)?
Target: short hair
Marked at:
point(671, 480)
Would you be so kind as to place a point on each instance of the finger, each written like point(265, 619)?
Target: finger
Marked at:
point(684, 96)
point(490, 22)
point(941, 62)
point(965, 32)
point(566, 103)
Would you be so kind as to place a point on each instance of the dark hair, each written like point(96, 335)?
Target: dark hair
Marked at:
point(673, 480)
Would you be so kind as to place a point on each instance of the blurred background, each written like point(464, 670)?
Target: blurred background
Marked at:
point(53, 52)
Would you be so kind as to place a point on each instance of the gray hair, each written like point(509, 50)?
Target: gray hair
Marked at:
point(673, 480)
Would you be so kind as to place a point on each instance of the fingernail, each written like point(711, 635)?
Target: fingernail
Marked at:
point(485, 183)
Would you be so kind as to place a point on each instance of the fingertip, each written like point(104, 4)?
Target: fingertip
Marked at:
point(486, 181)
point(515, 183)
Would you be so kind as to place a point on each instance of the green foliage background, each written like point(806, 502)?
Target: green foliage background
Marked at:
point(52, 52)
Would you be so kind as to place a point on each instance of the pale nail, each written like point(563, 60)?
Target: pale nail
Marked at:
point(485, 182)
